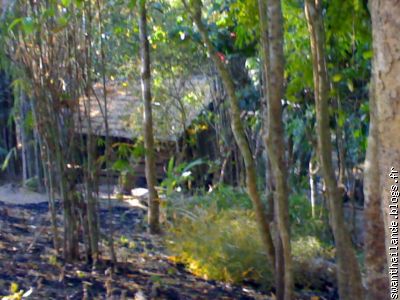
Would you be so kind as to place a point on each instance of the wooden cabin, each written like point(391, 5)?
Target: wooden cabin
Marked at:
point(172, 114)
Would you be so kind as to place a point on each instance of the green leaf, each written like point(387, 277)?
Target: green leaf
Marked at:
point(101, 142)
point(341, 118)
point(337, 77)
point(120, 165)
point(79, 3)
point(7, 159)
point(29, 123)
point(48, 13)
point(193, 164)
point(62, 21)
point(132, 4)
point(65, 3)
point(357, 133)
point(367, 54)
point(14, 23)
point(350, 85)
point(28, 25)
point(138, 151)
point(170, 167)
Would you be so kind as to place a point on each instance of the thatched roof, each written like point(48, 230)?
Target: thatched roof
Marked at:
point(171, 105)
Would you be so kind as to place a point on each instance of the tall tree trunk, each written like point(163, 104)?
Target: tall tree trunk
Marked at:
point(237, 128)
point(383, 156)
point(341, 151)
point(279, 258)
point(271, 23)
point(154, 210)
point(377, 280)
point(49, 184)
point(349, 277)
point(89, 174)
point(110, 236)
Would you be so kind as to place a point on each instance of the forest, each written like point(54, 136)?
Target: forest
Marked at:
point(196, 149)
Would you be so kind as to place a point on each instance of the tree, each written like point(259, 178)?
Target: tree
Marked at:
point(51, 77)
point(153, 217)
point(377, 280)
point(383, 154)
point(349, 277)
point(271, 24)
point(194, 8)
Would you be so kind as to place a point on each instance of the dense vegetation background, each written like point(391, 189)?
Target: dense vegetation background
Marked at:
point(248, 128)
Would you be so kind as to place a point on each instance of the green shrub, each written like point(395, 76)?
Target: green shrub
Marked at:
point(225, 245)
point(32, 184)
point(216, 235)
point(313, 266)
point(221, 198)
point(221, 245)
point(302, 222)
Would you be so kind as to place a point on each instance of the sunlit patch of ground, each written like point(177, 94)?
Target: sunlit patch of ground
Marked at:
point(14, 194)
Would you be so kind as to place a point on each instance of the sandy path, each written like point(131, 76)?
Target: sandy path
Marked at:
point(13, 194)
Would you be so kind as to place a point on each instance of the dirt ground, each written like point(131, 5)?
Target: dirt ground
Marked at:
point(30, 264)
point(12, 193)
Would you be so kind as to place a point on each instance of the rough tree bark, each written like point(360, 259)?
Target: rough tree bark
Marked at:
point(349, 277)
point(154, 210)
point(377, 280)
point(271, 23)
point(194, 8)
point(383, 154)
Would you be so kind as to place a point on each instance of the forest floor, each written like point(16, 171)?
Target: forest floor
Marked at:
point(29, 262)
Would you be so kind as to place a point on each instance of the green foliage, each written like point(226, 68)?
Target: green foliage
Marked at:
point(223, 198)
point(222, 246)
point(126, 156)
point(298, 69)
point(32, 184)
point(178, 175)
point(302, 222)
point(225, 245)
point(216, 235)
point(7, 159)
point(124, 241)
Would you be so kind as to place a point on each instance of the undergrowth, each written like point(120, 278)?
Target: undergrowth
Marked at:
point(216, 236)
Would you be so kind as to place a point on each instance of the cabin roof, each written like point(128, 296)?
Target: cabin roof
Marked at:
point(171, 109)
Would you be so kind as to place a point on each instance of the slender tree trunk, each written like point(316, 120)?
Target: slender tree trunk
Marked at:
point(271, 23)
point(154, 210)
point(340, 149)
point(38, 163)
point(110, 236)
point(382, 165)
point(23, 131)
point(349, 277)
point(237, 129)
point(49, 184)
point(89, 176)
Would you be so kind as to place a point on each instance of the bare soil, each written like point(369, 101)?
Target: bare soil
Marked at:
point(144, 271)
